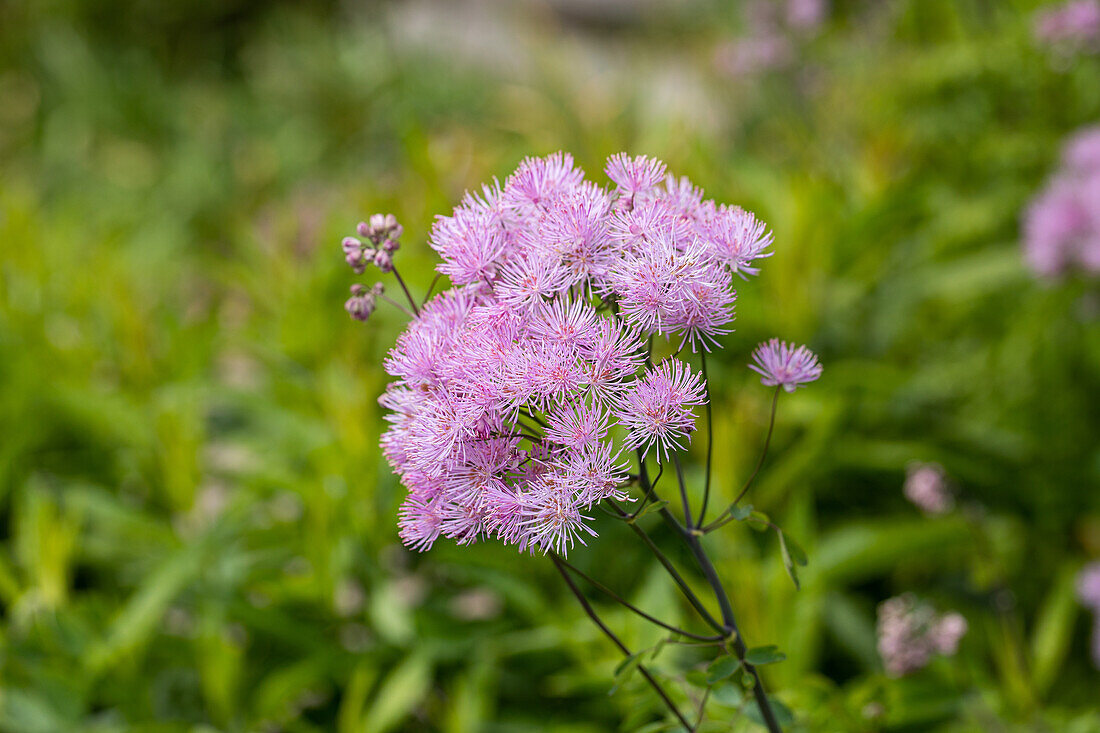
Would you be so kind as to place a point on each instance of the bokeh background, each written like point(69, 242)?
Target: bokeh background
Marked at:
point(197, 532)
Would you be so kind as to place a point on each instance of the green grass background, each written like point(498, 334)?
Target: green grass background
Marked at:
point(197, 532)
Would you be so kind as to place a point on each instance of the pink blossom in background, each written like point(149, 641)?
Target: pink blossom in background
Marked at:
point(507, 385)
point(1088, 590)
point(1062, 224)
point(771, 37)
point(755, 54)
point(1072, 27)
point(910, 633)
point(926, 487)
point(806, 15)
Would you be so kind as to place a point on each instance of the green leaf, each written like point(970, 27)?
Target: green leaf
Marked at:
point(788, 563)
point(797, 553)
point(696, 678)
point(740, 513)
point(653, 507)
point(624, 671)
point(722, 668)
point(728, 695)
point(1050, 642)
point(759, 521)
point(760, 655)
point(783, 714)
point(402, 690)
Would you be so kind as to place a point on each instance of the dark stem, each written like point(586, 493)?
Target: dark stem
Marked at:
point(702, 708)
point(729, 626)
point(604, 589)
point(395, 304)
point(710, 442)
point(738, 643)
point(651, 492)
point(430, 289)
point(671, 569)
point(764, 453)
point(622, 647)
point(401, 282)
point(683, 490)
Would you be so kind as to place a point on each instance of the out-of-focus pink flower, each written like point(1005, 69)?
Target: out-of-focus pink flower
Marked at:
point(1088, 590)
point(806, 15)
point(910, 633)
point(1073, 27)
point(754, 54)
point(1062, 224)
point(926, 487)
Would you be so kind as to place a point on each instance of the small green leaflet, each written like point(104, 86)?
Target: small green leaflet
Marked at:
point(722, 668)
point(654, 507)
point(625, 671)
point(740, 513)
point(792, 555)
point(764, 655)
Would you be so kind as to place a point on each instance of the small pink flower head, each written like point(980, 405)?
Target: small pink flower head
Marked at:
point(926, 487)
point(550, 517)
point(657, 409)
point(538, 181)
point(910, 633)
point(782, 364)
point(737, 238)
point(634, 176)
point(577, 426)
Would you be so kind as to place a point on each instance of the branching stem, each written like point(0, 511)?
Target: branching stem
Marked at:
point(615, 640)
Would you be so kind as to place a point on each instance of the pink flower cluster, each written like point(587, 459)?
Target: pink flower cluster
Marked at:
point(1070, 28)
point(910, 633)
point(518, 390)
point(1062, 225)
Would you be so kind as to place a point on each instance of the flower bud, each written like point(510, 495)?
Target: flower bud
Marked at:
point(361, 303)
point(382, 260)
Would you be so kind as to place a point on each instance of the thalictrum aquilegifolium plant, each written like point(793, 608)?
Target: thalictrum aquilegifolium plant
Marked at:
point(528, 394)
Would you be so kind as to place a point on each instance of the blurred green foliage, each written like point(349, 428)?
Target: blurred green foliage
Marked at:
point(198, 531)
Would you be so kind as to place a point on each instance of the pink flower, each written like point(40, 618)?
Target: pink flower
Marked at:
point(634, 176)
point(658, 408)
point(782, 364)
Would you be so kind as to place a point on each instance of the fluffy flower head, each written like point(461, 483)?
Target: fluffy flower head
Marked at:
point(784, 365)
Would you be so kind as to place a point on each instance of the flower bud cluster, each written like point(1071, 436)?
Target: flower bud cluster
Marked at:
point(381, 233)
point(363, 301)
